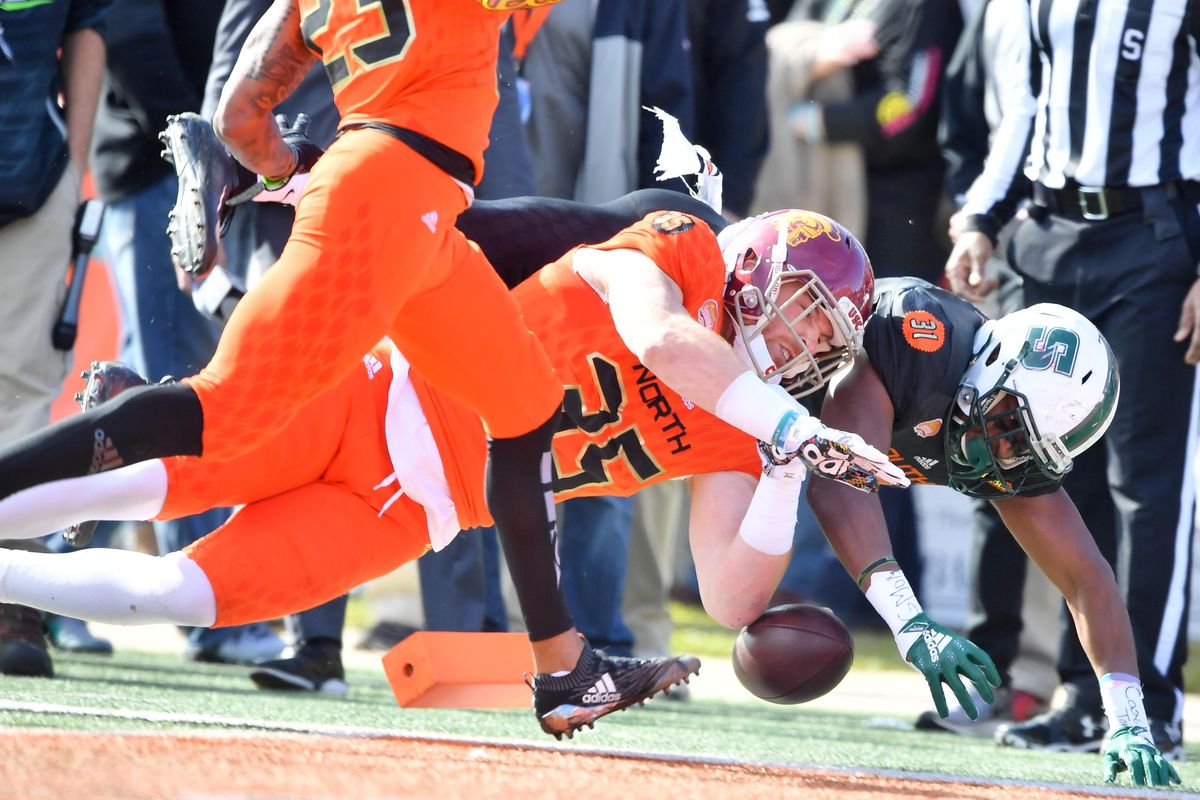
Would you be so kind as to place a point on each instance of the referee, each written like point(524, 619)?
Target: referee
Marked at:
point(1111, 144)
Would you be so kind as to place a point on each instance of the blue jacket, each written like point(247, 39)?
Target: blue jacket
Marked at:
point(33, 132)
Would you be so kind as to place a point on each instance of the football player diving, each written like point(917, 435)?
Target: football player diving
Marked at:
point(994, 409)
point(383, 466)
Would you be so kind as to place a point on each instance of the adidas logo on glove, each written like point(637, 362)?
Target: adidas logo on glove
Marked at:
point(935, 642)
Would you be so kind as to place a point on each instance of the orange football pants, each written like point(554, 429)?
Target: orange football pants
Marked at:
point(311, 529)
point(373, 252)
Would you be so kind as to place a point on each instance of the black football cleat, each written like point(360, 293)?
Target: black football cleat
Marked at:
point(1061, 730)
point(1168, 737)
point(601, 684)
point(209, 180)
point(105, 380)
point(316, 667)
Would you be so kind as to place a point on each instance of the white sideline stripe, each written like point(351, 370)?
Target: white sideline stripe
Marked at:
point(352, 732)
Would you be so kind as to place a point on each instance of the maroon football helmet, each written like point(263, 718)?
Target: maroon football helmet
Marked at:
point(826, 270)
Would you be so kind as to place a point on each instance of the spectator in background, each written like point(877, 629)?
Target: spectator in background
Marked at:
point(591, 139)
point(46, 49)
point(811, 61)
point(729, 71)
point(893, 114)
point(590, 67)
point(729, 78)
point(158, 57)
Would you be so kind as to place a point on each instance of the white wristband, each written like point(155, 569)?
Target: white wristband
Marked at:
point(770, 522)
point(1122, 695)
point(892, 597)
point(765, 412)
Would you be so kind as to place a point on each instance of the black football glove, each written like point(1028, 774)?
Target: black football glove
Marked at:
point(295, 136)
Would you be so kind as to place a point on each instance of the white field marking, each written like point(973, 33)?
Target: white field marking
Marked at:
point(293, 729)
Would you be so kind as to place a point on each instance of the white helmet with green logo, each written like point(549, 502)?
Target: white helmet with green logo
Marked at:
point(1061, 373)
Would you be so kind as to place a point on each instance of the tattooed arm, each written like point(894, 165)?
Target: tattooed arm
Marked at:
point(272, 63)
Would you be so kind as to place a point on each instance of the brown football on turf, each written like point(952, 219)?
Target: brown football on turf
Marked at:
point(793, 653)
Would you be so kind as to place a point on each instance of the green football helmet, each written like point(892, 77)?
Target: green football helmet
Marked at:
point(1041, 388)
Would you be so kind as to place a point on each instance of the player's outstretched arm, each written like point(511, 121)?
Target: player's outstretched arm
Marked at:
point(272, 63)
point(854, 524)
point(1050, 530)
point(648, 311)
point(741, 534)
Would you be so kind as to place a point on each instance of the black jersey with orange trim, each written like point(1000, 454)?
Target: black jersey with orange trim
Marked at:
point(919, 340)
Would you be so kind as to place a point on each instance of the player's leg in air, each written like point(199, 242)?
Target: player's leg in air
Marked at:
point(480, 353)
point(318, 520)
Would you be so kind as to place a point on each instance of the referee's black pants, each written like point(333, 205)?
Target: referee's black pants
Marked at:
point(1129, 275)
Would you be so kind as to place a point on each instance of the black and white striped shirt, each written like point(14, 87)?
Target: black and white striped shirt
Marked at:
point(1118, 105)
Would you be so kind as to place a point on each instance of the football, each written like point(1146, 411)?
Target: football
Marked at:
point(793, 653)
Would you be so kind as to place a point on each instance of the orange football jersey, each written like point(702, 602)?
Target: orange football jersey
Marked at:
point(623, 428)
point(426, 65)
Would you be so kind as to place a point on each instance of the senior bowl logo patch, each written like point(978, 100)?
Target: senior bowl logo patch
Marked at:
point(928, 428)
point(706, 315)
point(923, 331)
point(673, 222)
point(803, 227)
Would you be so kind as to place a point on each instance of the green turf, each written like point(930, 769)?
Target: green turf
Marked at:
point(157, 683)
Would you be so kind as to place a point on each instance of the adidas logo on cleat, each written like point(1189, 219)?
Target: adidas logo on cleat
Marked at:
point(605, 691)
point(104, 453)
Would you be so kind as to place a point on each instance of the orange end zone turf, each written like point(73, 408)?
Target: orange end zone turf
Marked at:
point(444, 669)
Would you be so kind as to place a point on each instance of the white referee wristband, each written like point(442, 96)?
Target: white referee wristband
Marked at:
point(770, 522)
point(1123, 705)
point(768, 413)
point(892, 597)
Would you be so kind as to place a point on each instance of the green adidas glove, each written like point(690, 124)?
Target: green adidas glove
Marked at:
point(941, 655)
point(1132, 748)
